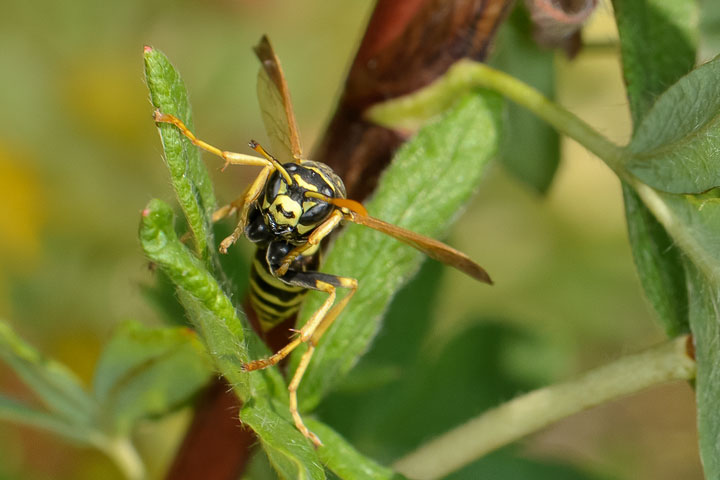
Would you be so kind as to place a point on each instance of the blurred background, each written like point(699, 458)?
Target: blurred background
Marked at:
point(80, 157)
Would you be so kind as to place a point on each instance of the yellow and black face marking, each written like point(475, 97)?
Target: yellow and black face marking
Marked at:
point(287, 211)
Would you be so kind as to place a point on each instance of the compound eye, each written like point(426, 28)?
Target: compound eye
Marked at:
point(274, 186)
point(316, 214)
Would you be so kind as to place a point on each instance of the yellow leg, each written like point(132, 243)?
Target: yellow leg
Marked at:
point(311, 333)
point(320, 232)
point(231, 158)
point(325, 323)
point(244, 203)
point(305, 333)
point(292, 388)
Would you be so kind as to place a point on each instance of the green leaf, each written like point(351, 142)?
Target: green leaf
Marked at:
point(657, 47)
point(694, 223)
point(188, 174)
point(146, 372)
point(507, 463)
point(291, 454)
point(58, 388)
point(208, 307)
point(385, 421)
point(13, 411)
point(676, 147)
point(696, 228)
point(429, 180)
point(344, 460)
point(705, 323)
point(530, 148)
point(660, 265)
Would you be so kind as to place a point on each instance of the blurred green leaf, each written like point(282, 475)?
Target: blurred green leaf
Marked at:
point(58, 388)
point(508, 464)
point(13, 411)
point(289, 452)
point(676, 146)
point(709, 28)
point(657, 47)
point(146, 372)
point(530, 148)
point(392, 420)
point(344, 460)
point(430, 179)
point(188, 174)
point(396, 419)
point(161, 295)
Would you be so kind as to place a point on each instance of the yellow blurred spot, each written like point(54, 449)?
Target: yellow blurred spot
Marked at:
point(22, 212)
point(80, 360)
point(109, 99)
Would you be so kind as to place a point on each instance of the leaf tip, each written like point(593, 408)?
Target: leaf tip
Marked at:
point(147, 49)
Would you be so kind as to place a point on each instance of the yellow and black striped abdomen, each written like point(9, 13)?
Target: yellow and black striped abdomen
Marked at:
point(272, 299)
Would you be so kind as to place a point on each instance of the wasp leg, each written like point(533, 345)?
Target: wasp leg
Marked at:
point(231, 158)
point(320, 232)
point(310, 333)
point(243, 204)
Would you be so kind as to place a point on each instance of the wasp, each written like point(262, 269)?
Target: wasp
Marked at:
point(290, 207)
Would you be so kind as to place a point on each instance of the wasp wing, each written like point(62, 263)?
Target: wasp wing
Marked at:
point(275, 105)
point(429, 246)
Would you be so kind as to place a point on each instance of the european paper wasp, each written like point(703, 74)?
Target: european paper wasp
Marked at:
point(290, 207)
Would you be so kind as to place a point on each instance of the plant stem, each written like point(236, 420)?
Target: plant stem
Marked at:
point(535, 410)
point(468, 74)
point(123, 453)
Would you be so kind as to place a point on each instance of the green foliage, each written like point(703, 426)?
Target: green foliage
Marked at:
point(657, 46)
point(209, 309)
point(430, 179)
point(416, 404)
point(659, 264)
point(709, 28)
point(142, 373)
point(668, 170)
point(705, 322)
point(657, 49)
point(55, 385)
point(147, 372)
point(410, 387)
point(291, 454)
point(344, 460)
point(530, 148)
point(674, 149)
point(188, 174)
point(676, 146)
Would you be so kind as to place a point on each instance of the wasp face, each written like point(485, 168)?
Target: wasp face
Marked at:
point(287, 212)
